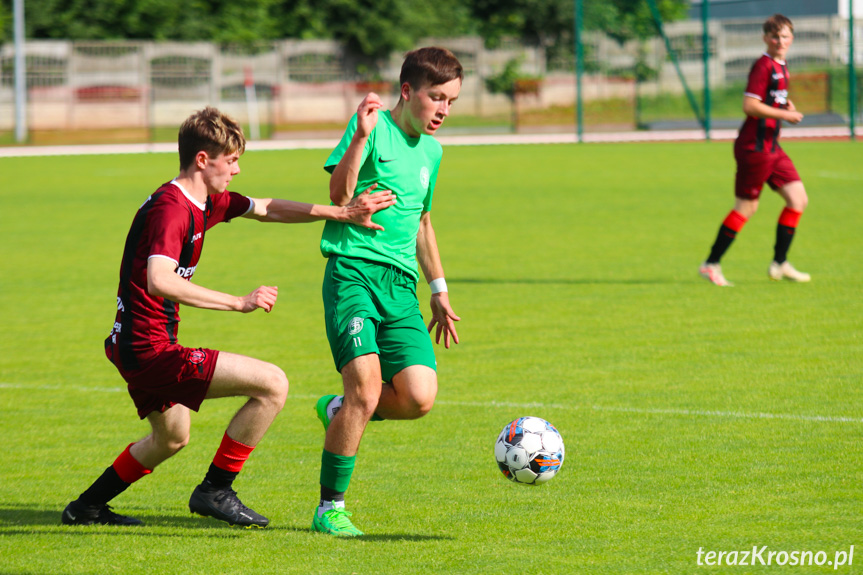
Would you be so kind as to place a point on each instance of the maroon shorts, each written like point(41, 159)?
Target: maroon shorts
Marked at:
point(756, 168)
point(174, 375)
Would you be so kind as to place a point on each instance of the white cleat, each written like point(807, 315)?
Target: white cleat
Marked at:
point(713, 274)
point(785, 270)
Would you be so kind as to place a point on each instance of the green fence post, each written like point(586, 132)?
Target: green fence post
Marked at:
point(852, 72)
point(657, 19)
point(705, 43)
point(579, 72)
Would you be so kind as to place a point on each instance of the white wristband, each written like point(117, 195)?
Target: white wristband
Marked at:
point(437, 285)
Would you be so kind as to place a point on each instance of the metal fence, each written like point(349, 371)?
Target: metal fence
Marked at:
point(638, 86)
point(110, 85)
point(288, 85)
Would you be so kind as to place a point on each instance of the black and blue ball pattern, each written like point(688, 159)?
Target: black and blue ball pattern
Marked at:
point(529, 450)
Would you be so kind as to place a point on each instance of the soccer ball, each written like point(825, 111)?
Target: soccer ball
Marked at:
point(529, 450)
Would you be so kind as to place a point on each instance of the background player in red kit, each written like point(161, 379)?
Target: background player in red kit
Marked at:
point(167, 380)
point(760, 159)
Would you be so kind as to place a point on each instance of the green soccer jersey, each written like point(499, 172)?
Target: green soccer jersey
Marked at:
point(393, 161)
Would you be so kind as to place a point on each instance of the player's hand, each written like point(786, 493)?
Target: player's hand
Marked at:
point(264, 297)
point(363, 205)
point(443, 319)
point(793, 117)
point(367, 114)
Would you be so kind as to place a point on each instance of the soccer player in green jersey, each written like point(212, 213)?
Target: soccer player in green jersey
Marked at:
point(379, 340)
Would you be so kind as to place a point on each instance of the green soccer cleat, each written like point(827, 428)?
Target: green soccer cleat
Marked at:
point(335, 522)
point(325, 412)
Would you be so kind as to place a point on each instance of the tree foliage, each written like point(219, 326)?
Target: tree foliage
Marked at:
point(536, 21)
point(546, 22)
point(504, 82)
point(190, 20)
point(370, 29)
point(373, 29)
point(5, 22)
point(632, 19)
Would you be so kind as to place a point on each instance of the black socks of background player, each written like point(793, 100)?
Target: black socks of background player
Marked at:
point(732, 224)
point(785, 229)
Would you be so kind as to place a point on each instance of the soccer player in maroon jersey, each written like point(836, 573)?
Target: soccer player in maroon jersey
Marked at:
point(167, 380)
point(760, 159)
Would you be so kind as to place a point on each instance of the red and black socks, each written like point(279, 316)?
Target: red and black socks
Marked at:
point(785, 229)
point(732, 224)
point(117, 478)
point(227, 463)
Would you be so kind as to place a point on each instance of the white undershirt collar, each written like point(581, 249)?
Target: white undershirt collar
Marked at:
point(189, 196)
point(780, 62)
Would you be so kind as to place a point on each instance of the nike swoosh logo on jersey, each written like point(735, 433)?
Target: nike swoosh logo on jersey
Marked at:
point(383, 161)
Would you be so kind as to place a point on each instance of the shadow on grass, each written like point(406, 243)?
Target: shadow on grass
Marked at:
point(417, 537)
point(402, 537)
point(16, 514)
point(29, 517)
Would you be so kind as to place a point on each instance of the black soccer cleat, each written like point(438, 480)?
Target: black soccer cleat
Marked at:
point(224, 505)
point(76, 513)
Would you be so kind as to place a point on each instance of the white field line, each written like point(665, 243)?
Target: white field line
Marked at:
point(660, 411)
point(478, 140)
point(696, 413)
point(839, 175)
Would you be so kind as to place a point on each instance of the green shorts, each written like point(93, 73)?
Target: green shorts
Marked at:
point(372, 307)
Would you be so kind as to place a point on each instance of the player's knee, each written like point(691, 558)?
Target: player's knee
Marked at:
point(177, 445)
point(422, 403)
point(171, 444)
point(368, 404)
point(795, 196)
point(420, 397)
point(417, 409)
point(365, 402)
point(277, 386)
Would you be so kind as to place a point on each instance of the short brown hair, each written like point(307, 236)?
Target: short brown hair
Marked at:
point(776, 22)
point(209, 130)
point(430, 66)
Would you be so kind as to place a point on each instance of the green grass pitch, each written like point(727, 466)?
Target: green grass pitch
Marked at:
point(694, 417)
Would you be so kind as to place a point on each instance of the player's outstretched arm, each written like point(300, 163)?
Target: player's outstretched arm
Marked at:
point(443, 317)
point(343, 181)
point(163, 281)
point(367, 203)
point(358, 211)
